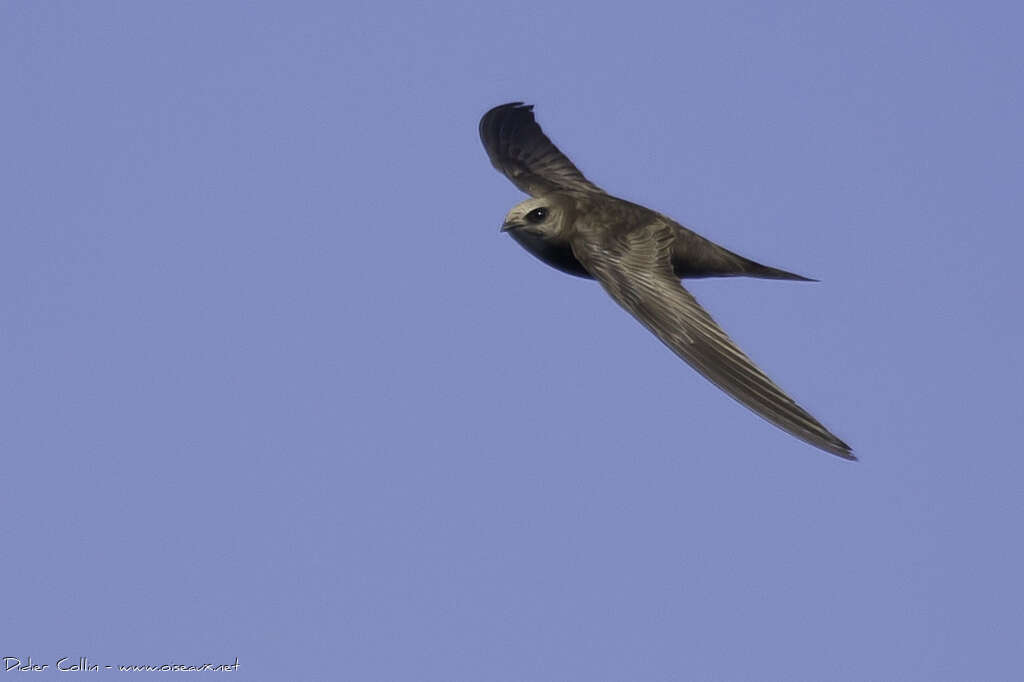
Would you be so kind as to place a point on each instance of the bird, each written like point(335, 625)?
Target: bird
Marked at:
point(640, 258)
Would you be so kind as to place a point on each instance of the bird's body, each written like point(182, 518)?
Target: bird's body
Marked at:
point(693, 256)
point(639, 256)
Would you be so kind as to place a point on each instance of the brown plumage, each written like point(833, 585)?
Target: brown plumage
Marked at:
point(638, 256)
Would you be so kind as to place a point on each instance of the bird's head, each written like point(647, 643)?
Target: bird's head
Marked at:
point(545, 216)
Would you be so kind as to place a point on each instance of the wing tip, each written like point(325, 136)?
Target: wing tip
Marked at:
point(839, 449)
point(509, 105)
point(847, 455)
point(498, 113)
point(498, 128)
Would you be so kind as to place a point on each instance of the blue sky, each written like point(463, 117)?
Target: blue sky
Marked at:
point(277, 389)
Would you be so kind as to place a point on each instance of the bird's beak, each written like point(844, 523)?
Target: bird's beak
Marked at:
point(510, 225)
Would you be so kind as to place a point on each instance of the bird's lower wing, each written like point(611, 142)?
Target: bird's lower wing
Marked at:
point(635, 268)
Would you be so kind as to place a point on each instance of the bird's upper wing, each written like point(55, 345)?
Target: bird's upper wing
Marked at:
point(520, 149)
point(635, 268)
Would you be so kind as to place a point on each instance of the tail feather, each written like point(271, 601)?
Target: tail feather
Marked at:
point(753, 269)
point(696, 256)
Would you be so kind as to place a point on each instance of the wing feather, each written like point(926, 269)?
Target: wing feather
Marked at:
point(635, 269)
point(519, 148)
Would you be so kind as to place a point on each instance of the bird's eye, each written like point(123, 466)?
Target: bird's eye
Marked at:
point(537, 215)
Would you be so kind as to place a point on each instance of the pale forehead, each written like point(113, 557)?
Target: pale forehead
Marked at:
point(527, 206)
